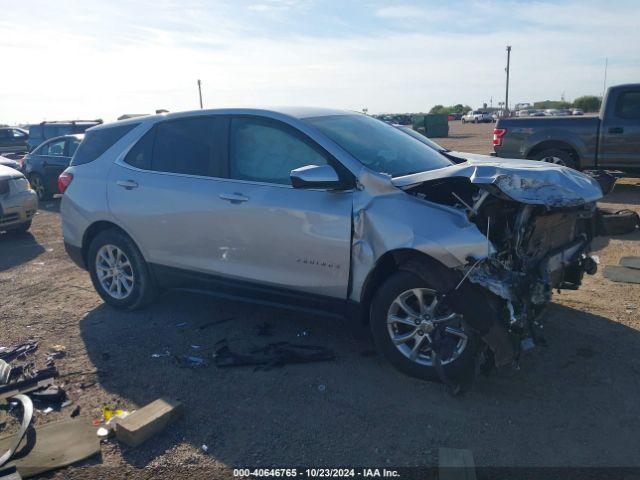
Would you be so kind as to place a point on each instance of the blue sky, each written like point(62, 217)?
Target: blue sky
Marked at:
point(100, 58)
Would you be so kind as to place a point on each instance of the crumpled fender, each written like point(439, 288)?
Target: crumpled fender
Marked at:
point(385, 218)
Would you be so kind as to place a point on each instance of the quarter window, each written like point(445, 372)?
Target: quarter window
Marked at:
point(266, 151)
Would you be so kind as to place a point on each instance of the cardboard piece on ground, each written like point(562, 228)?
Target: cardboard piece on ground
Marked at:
point(455, 464)
point(631, 262)
point(148, 421)
point(622, 274)
point(57, 445)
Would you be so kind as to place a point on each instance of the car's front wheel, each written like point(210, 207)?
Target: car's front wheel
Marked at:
point(409, 321)
point(119, 272)
point(39, 186)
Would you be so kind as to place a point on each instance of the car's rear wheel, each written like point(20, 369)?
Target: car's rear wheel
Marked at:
point(22, 228)
point(39, 186)
point(409, 322)
point(119, 272)
point(557, 157)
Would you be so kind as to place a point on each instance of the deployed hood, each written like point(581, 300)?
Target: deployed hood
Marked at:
point(525, 181)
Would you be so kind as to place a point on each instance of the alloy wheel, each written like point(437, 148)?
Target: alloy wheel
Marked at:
point(412, 320)
point(38, 186)
point(554, 160)
point(114, 272)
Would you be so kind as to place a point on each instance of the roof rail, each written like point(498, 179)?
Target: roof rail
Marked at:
point(73, 122)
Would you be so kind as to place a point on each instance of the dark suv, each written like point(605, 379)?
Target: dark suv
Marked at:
point(43, 131)
point(43, 165)
point(13, 140)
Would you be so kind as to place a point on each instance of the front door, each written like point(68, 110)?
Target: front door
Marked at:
point(619, 145)
point(275, 234)
point(54, 160)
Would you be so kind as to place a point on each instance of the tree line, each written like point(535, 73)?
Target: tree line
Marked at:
point(587, 103)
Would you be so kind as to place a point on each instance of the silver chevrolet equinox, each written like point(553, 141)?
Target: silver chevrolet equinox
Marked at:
point(449, 260)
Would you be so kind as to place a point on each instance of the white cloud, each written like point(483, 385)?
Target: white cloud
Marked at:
point(86, 67)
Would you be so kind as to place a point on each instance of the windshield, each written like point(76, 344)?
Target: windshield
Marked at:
point(421, 138)
point(379, 146)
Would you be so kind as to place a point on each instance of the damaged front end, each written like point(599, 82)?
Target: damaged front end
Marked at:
point(538, 220)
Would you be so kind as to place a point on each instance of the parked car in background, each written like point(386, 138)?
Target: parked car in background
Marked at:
point(609, 141)
point(43, 165)
point(11, 163)
point(477, 116)
point(454, 116)
point(454, 156)
point(577, 111)
point(536, 113)
point(13, 139)
point(45, 130)
point(358, 219)
point(18, 202)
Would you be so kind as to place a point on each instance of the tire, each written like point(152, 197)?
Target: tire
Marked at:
point(384, 302)
point(40, 187)
point(617, 222)
point(22, 228)
point(557, 156)
point(140, 291)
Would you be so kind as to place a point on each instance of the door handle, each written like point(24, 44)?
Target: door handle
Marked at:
point(45, 163)
point(616, 130)
point(233, 197)
point(127, 184)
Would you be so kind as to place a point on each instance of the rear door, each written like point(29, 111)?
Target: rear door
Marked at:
point(55, 159)
point(619, 145)
point(166, 193)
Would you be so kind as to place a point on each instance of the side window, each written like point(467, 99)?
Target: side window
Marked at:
point(73, 146)
point(628, 105)
point(192, 146)
point(140, 155)
point(18, 134)
point(55, 148)
point(264, 150)
point(4, 133)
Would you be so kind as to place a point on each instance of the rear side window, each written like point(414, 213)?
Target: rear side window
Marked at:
point(628, 105)
point(190, 146)
point(54, 148)
point(73, 146)
point(97, 142)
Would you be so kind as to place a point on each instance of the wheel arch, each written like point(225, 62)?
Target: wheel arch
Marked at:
point(555, 144)
point(100, 226)
point(401, 259)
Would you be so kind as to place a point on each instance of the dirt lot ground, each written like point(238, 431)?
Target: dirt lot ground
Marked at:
point(574, 403)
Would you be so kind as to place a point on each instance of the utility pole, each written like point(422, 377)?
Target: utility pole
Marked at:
point(506, 95)
point(200, 93)
point(604, 84)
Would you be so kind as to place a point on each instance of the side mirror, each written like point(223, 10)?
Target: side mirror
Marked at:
point(314, 176)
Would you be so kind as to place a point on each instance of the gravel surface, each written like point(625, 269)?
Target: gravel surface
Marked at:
point(573, 403)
